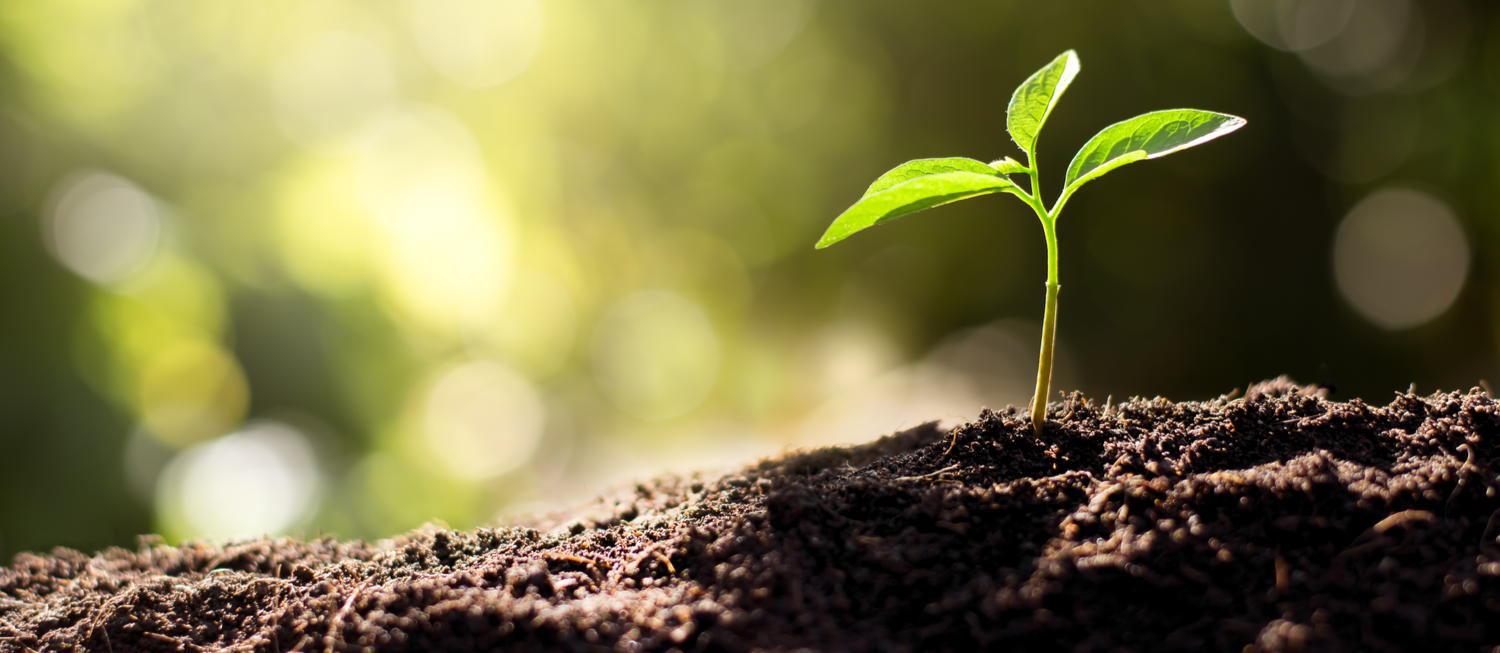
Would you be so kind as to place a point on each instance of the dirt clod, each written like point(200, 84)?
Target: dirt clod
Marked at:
point(1280, 521)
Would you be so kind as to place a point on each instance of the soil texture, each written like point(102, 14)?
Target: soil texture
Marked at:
point(1276, 521)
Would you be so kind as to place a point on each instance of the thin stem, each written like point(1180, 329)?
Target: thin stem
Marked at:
point(1049, 332)
point(1049, 317)
point(1034, 171)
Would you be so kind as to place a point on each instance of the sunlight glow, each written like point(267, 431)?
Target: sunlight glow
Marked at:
point(260, 480)
point(447, 252)
point(536, 327)
point(478, 43)
point(655, 355)
point(483, 419)
point(328, 89)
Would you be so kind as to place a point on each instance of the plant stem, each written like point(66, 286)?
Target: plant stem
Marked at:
point(1049, 316)
point(1049, 332)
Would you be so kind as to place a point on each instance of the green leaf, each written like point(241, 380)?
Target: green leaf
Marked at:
point(1033, 100)
point(1153, 135)
point(1128, 157)
point(912, 195)
point(920, 167)
point(1008, 166)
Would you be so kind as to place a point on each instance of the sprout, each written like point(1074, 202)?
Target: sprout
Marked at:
point(922, 184)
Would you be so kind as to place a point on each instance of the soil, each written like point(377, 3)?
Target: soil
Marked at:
point(1278, 521)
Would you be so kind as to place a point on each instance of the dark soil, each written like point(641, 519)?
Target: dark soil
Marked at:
point(1280, 521)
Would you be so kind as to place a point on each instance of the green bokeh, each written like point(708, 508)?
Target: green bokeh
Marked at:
point(698, 148)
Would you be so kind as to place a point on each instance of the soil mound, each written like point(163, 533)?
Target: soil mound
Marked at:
point(1280, 521)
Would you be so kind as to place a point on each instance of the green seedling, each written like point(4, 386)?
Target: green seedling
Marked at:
point(922, 184)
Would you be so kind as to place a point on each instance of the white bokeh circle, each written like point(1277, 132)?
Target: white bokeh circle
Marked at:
point(1400, 257)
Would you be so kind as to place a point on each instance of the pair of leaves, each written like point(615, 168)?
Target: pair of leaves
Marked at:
point(925, 183)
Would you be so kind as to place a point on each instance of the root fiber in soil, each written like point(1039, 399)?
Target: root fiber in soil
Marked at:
point(1277, 521)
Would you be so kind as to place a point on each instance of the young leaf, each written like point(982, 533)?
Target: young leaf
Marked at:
point(1007, 166)
point(1153, 135)
point(920, 167)
point(912, 195)
point(1033, 100)
point(1128, 157)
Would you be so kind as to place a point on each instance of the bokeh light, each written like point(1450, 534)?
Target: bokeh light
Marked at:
point(536, 327)
point(191, 390)
point(1378, 45)
point(329, 88)
point(655, 355)
point(103, 227)
point(262, 479)
point(842, 356)
point(445, 251)
point(478, 43)
point(482, 419)
point(1294, 25)
point(1400, 257)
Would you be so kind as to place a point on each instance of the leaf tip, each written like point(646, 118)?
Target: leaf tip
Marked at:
point(829, 238)
point(1073, 63)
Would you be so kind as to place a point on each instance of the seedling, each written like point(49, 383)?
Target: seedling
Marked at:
point(922, 184)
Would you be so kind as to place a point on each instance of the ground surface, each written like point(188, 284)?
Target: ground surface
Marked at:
point(1275, 521)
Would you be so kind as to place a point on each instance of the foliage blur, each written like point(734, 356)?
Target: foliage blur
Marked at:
point(347, 267)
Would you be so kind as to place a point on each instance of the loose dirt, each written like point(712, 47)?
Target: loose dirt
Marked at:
point(1277, 521)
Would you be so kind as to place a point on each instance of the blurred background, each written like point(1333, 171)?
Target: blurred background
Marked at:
point(342, 266)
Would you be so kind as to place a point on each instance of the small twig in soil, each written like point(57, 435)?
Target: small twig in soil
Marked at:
point(563, 557)
point(1487, 391)
point(338, 618)
point(10, 604)
point(1401, 518)
point(1067, 415)
point(173, 641)
point(108, 608)
point(1374, 538)
point(665, 560)
point(301, 642)
point(928, 474)
point(634, 565)
point(1462, 478)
